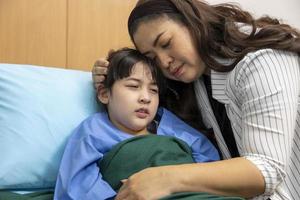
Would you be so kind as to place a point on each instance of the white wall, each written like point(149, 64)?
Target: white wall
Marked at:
point(286, 10)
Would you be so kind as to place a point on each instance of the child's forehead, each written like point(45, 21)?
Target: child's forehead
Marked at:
point(141, 69)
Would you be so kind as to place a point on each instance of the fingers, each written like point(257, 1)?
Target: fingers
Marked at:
point(98, 72)
point(98, 78)
point(100, 67)
point(98, 86)
point(98, 82)
point(122, 194)
point(101, 62)
point(123, 185)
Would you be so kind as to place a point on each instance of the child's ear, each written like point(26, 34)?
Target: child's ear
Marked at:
point(103, 95)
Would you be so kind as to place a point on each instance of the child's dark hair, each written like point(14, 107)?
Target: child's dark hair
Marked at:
point(121, 63)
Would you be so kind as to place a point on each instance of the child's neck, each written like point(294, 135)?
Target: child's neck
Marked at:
point(137, 133)
point(127, 130)
point(133, 132)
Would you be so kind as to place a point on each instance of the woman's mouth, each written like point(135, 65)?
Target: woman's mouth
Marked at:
point(177, 72)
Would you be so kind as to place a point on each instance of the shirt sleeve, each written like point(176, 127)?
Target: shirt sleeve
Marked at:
point(267, 83)
point(79, 176)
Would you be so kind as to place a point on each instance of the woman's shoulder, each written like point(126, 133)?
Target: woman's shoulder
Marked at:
point(264, 64)
point(261, 60)
point(265, 54)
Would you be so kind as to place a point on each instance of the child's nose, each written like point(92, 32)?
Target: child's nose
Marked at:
point(145, 97)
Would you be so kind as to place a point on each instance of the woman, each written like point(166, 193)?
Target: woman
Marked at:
point(246, 79)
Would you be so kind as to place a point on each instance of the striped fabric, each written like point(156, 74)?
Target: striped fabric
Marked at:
point(262, 100)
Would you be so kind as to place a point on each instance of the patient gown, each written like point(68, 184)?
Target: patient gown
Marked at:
point(79, 175)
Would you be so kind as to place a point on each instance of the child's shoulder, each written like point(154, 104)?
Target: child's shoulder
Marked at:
point(99, 116)
point(90, 125)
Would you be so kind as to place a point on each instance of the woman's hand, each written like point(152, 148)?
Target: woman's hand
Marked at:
point(99, 71)
point(149, 184)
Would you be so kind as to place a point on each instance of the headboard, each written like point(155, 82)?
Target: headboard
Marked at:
point(62, 33)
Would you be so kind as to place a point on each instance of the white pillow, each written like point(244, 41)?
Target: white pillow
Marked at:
point(39, 108)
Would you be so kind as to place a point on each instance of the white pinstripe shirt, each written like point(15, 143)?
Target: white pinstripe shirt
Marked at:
point(262, 99)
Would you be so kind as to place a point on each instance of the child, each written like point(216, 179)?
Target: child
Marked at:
point(131, 98)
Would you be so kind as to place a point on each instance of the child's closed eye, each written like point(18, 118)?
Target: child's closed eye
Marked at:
point(132, 86)
point(154, 90)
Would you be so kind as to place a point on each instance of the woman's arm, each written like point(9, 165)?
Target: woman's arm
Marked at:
point(266, 86)
point(234, 177)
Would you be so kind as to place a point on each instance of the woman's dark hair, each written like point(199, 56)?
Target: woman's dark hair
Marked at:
point(216, 31)
point(121, 63)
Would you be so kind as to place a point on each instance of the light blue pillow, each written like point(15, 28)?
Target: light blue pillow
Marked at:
point(39, 108)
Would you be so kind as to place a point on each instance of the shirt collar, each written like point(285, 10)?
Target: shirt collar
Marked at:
point(219, 81)
point(218, 84)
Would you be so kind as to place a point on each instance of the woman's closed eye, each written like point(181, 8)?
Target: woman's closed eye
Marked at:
point(166, 44)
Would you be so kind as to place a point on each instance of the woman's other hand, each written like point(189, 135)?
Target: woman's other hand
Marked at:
point(99, 71)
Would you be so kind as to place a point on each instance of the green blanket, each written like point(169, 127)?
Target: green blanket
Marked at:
point(137, 153)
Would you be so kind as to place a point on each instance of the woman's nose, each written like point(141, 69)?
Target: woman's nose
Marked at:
point(165, 60)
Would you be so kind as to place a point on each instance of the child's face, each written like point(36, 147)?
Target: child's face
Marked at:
point(133, 101)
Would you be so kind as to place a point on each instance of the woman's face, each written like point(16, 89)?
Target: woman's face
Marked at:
point(171, 45)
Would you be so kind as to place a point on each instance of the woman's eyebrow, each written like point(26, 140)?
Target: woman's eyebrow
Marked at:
point(157, 38)
point(154, 42)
